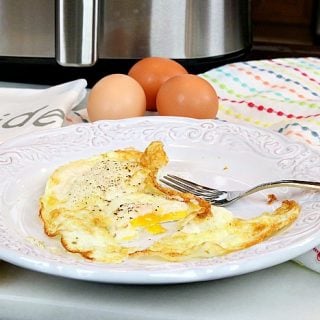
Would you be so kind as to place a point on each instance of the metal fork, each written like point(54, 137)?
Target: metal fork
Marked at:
point(223, 198)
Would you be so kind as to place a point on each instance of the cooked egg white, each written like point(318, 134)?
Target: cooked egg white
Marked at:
point(222, 233)
point(110, 207)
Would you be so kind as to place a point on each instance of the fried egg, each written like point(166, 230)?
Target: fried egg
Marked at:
point(110, 207)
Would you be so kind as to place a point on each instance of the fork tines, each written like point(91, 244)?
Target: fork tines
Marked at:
point(187, 186)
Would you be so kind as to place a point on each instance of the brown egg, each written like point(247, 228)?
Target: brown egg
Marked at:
point(151, 73)
point(187, 96)
point(116, 96)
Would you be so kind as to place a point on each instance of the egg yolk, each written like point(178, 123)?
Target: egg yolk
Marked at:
point(151, 222)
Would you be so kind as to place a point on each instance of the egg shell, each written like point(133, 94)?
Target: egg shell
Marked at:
point(151, 73)
point(187, 96)
point(116, 96)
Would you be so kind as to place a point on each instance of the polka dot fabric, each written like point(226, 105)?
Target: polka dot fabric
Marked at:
point(280, 94)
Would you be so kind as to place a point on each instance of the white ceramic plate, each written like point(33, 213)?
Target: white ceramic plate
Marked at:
point(212, 152)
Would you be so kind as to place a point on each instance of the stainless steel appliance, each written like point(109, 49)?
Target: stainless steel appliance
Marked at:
point(109, 35)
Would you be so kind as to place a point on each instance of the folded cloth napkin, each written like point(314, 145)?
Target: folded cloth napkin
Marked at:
point(26, 110)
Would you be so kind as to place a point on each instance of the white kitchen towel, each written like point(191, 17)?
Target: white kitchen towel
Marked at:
point(27, 110)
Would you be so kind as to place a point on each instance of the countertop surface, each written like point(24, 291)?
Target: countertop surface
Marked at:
point(286, 291)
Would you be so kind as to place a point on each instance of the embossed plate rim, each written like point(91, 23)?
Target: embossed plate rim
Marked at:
point(237, 263)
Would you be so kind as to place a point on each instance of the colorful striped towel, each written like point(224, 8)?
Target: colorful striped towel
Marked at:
point(280, 94)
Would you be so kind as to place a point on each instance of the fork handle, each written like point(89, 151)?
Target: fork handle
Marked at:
point(285, 183)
